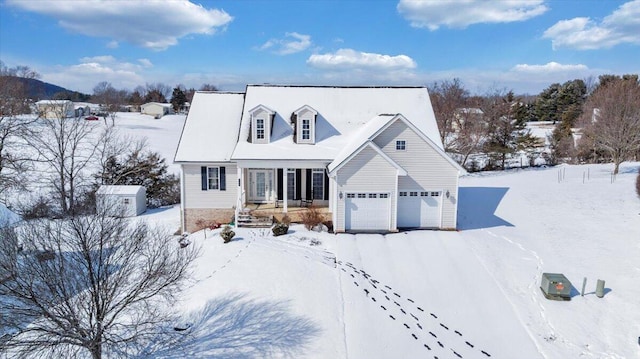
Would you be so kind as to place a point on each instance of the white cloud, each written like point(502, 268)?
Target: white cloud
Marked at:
point(461, 13)
point(551, 67)
point(152, 24)
point(583, 33)
point(145, 62)
point(92, 70)
point(291, 44)
point(348, 59)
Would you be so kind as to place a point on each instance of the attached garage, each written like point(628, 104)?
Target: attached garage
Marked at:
point(419, 209)
point(367, 211)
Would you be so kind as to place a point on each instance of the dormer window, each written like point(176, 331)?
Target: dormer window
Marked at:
point(306, 129)
point(261, 124)
point(260, 128)
point(304, 121)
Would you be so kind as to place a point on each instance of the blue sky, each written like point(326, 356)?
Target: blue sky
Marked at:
point(520, 45)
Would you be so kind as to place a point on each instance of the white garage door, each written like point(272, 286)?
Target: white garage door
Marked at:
point(419, 209)
point(367, 211)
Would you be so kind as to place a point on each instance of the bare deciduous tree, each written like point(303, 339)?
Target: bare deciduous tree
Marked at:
point(446, 98)
point(66, 153)
point(88, 285)
point(612, 118)
point(110, 99)
point(14, 101)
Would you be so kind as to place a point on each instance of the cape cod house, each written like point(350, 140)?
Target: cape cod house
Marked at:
point(369, 157)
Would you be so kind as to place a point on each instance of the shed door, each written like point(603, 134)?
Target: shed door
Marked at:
point(419, 209)
point(367, 211)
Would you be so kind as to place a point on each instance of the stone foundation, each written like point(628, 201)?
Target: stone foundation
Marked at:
point(193, 215)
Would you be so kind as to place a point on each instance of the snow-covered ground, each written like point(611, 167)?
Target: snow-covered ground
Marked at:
point(473, 293)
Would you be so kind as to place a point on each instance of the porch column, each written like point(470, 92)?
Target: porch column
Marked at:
point(285, 193)
point(240, 192)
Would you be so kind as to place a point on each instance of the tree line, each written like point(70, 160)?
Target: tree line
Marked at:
point(593, 121)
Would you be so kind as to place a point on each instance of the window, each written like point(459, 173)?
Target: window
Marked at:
point(260, 128)
point(401, 145)
point(126, 201)
point(306, 129)
point(213, 178)
point(351, 195)
point(384, 195)
point(373, 195)
point(317, 183)
point(435, 194)
point(403, 194)
point(424, 194)
point(362, 195)
point(413, 194)
point(291, 183)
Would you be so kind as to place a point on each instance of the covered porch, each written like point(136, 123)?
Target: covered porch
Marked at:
point(276, 188)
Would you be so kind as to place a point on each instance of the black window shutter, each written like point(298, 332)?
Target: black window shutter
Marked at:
point(280, 184)
point(326, 186)
point(309, 182)
point(298, 183)
point(203, 174)
point(223, 179)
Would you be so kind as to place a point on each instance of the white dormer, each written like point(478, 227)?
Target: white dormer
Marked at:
point(261, 123)
point(305, 125)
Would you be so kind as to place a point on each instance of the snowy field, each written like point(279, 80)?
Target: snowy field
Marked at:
point(473, 293)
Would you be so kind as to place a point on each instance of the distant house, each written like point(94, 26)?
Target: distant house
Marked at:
point(369, 158)
point(466, 114)
point(52, 109)
point(82, 109)
point(128, 201)
point(156, 109)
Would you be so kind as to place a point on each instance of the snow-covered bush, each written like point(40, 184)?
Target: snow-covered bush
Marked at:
point(280, 229)
point(227, 234)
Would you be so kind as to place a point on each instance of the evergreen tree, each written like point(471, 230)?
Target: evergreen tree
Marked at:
point(506, 134)
point(144, 168)
point(178, 98)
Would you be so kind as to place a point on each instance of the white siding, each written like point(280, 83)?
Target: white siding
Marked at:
point(426, 168)
point(366, 172)
point(195, 197)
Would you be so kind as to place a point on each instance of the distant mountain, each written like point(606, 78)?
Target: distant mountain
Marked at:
point(40, 90)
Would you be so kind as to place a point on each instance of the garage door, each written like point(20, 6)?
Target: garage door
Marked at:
point(368, 211)
point(419, 209)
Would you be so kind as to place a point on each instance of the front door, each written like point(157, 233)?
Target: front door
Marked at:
point(260, 185)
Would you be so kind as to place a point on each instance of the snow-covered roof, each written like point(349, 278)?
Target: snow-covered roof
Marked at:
point(156, 103)
point(342, 111)
point(210, 132)
point(53, 102)
point(119, 189)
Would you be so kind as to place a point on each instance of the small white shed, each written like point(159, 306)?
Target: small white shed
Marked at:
point(131, 200)
point(156, 109)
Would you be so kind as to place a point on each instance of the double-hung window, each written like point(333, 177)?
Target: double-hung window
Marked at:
point(306, 129)
point(213, 178)
point(260, 128)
